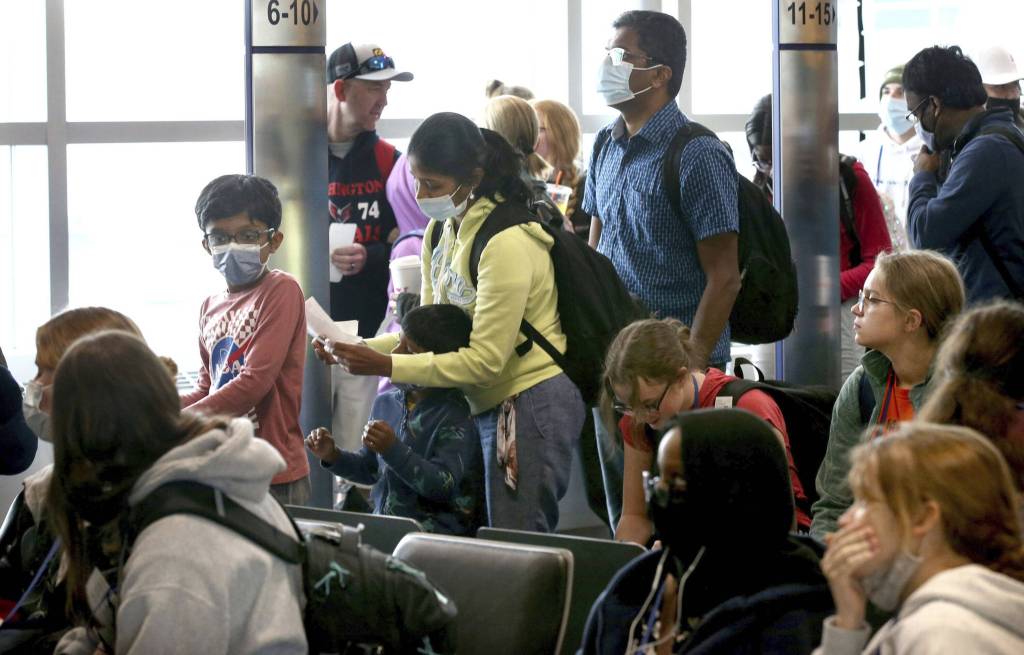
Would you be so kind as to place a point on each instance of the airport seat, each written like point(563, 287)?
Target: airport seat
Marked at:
point(513, 599)
point(381, 532)
point(595, 562)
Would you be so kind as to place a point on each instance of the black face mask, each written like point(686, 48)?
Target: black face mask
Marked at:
point(676, 525)
point(998, 103)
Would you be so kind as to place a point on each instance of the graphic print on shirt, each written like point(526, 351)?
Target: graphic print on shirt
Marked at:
point(227, 341)
point(449, 286)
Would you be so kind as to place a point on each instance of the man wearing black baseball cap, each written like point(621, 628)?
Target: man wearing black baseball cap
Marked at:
point(358, 79)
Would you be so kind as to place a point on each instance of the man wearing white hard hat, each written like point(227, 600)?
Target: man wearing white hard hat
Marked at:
point(1001, 78)
point(359, 77)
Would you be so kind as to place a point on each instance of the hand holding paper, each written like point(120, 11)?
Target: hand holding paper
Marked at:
point(339, 236)
point(318, 323)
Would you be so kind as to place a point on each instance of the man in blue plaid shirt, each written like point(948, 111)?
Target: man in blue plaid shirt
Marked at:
point(681, 266)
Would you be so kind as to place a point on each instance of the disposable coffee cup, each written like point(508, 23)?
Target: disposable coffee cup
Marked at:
point(560, 196)
point(406, 274)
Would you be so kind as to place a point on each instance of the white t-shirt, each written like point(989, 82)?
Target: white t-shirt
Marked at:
point(890, 166)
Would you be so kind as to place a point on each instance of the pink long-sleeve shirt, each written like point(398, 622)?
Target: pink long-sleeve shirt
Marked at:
point(253, 348)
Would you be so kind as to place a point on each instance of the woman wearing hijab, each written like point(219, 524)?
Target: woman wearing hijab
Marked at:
point(723, 507)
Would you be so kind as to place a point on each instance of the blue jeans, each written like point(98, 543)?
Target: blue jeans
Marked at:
point(549, 417)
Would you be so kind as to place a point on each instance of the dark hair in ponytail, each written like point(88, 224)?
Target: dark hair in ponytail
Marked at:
point(450, 144)
point(503, 167)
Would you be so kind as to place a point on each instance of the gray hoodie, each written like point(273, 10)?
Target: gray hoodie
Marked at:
point(192, 586)
point(968, 609)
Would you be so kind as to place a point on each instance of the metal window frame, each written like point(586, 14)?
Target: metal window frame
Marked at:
point(56, 133)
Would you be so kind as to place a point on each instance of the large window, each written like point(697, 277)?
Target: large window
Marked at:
point(24, 248)
point(520, 43)
point(133, 60)
point(101, 191)
point(133, 238)
point(23, 62)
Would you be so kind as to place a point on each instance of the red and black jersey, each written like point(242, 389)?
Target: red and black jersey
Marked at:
point(355, 194)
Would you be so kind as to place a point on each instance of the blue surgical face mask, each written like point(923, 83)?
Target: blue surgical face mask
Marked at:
point(613, 81)
point(441, 208)
point(239, 264)
point(893, 114)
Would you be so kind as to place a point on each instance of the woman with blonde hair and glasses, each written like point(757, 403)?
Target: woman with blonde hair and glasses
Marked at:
point(649, 379)
point(980, 385)
point(934, 536)
point(906, 302)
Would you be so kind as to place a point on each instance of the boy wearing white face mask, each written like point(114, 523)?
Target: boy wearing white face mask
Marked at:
point(888, 154)
point(252, 336)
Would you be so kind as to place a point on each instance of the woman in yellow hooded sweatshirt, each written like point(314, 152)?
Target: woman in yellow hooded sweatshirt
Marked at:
point(527, 410)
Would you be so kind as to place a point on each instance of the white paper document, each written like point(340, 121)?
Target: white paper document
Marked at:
point(339, 236)
point(319, 323)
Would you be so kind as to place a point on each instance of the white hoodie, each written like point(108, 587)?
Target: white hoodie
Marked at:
point(192, 586)
point(968, 609)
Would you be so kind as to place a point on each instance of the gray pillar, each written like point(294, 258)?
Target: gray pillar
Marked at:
point(806, 171)
point(286, 142)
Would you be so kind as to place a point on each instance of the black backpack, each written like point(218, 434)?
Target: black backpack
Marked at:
point(357, 599)
point(765, 309)
point(593, 303)
point(847, 190)
point(807, 410)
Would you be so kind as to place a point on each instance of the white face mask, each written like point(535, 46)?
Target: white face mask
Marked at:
point(883, 587)
point(33, 394)
point(38, 420)
point(613, 81)
point(441, 208)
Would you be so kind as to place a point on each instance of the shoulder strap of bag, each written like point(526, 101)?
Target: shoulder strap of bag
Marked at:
point(847, 187)
point(670, 164)
point(384, 152)
point(197, 499)
point(736, 389)
point(865, 398)
point(435, 235)
point(503, 216)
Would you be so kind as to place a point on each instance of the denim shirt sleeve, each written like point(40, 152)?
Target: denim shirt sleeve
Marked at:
point(437, 476)
point(834, 496)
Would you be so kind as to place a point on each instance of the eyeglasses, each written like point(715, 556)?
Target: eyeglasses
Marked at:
point(663, 493)
point(863, 298)
point(617, 56)
point(377, 63)
point(641, 412)
point(247, 237)
point(912, 114)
